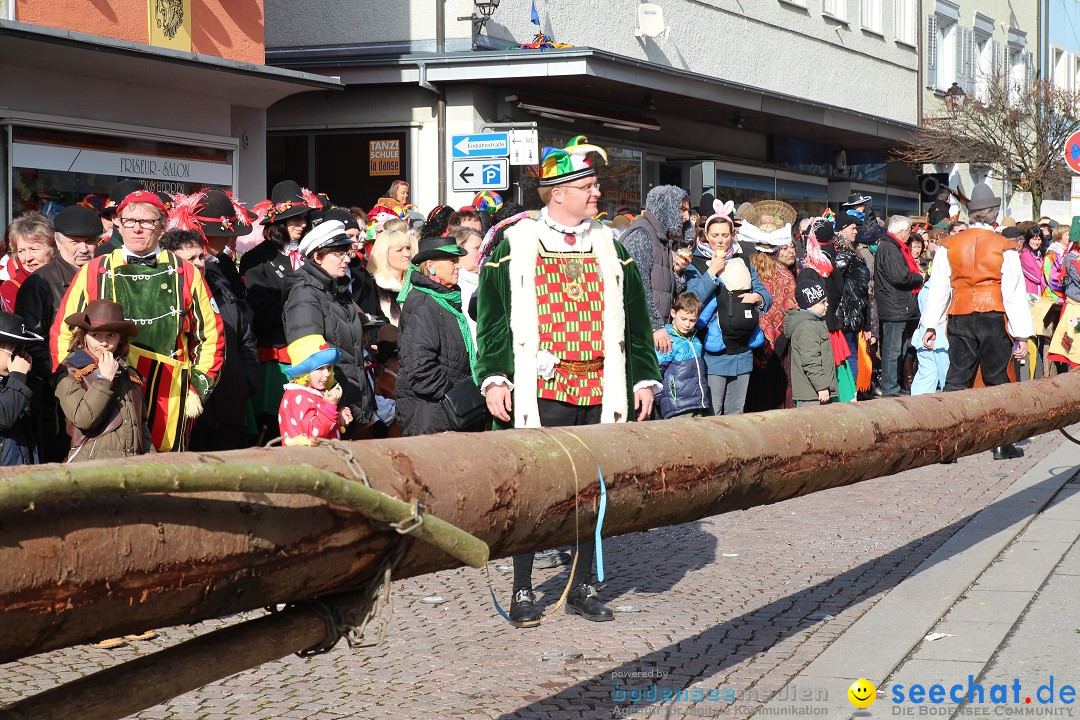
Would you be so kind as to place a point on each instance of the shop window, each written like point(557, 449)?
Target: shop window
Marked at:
point(344, 169)
point(743, 187)
point(352, 168)
point(287, 159)
point(53, 169)
point(901, 205)
point(811, 198)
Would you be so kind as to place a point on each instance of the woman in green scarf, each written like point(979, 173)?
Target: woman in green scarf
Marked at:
point(436, 348)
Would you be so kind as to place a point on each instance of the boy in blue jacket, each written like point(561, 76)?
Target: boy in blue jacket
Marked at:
point(685, 390)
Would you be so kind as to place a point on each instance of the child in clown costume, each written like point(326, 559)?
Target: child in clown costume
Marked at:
point(309, 406)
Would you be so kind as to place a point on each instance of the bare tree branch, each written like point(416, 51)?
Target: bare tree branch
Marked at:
point(1019, 130)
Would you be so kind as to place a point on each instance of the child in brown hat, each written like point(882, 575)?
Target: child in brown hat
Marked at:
point(101, 396)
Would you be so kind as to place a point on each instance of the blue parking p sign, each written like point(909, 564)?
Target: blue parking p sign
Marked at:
point(472, 175)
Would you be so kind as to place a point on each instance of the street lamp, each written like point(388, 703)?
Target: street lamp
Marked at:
point(955, 96)
point(484, 9)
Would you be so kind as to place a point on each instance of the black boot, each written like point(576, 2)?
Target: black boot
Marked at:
point(583, 601)
point(1008, 452)
point(523, 611)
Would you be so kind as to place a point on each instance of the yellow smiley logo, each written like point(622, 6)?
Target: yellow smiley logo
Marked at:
point(862, 693)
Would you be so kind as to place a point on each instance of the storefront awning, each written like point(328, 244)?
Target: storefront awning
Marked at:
point(636, 83)
point(79, 54)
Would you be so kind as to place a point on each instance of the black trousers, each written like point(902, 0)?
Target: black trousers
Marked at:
point(560, 414)
point(975, 340)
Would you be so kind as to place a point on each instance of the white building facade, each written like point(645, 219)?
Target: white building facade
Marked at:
point(800, 100)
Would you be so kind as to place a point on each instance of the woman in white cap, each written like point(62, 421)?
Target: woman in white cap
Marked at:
point(320, 304)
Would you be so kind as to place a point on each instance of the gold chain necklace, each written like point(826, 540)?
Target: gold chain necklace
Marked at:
point(574, 270)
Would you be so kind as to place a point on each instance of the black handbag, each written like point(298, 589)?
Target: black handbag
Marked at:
point(465, 406)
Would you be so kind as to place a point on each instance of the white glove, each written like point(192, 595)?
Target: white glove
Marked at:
point(545, 364)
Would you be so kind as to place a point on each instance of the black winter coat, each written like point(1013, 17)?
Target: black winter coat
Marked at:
point(433, 359)
point(37, 304)
point(16, 429)
point(321, 305)
point(268, 277)
point(848, 290)
point(894, 282)
point(240, 372)
point(363, 288)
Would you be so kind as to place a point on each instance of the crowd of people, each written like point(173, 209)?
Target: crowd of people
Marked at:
point(193, 322)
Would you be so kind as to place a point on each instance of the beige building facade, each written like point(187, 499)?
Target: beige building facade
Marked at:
point(967, 43)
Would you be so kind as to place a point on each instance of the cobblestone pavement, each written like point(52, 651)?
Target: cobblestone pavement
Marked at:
point(739, 602)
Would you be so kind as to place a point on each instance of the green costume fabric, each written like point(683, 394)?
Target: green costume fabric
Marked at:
point(449, 301)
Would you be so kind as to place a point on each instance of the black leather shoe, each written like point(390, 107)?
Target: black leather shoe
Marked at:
point(523, 609)
point(1008, 452)
point(584, 602)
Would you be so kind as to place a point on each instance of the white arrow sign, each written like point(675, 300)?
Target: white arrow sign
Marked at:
point(524, 147)
point(480, 145)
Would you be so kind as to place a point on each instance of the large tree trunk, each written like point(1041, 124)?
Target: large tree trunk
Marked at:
point(75, 571)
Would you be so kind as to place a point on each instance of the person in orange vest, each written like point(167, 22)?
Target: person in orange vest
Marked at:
point(978, 283)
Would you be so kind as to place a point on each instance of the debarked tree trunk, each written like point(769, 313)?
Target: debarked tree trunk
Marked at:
point(76, 571)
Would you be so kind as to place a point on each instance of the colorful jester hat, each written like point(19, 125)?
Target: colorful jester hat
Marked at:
point(561, 166)
point(487, 200)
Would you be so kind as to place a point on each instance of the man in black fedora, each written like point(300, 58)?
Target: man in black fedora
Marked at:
point(77, 230)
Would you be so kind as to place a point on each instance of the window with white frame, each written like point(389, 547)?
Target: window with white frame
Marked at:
point(7, 9)
point(941, 53)
point(965, 59)
point(1019, 71)
point(1075, 73)
point(870, 15)
point(905, 21)
point(1060, 65)
point(836, 9)
point(987, 52)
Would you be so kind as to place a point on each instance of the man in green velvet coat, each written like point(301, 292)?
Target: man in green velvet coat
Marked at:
point(563, 336)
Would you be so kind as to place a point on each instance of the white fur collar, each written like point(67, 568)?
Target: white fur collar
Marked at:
point(525, 238)
point(388, 283)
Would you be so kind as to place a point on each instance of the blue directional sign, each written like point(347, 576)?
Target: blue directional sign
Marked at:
point(472, 175)
point(480, 145)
